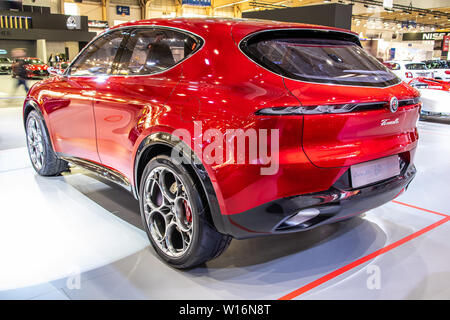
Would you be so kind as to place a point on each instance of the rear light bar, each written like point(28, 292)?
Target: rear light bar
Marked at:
point(332, 108)
point(408, 102)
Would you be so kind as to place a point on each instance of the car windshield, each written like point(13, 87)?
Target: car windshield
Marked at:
point(321, 60)
point(33, 61)
point(416, 66)
point(4, 60)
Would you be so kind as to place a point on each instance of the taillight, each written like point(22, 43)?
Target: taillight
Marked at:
point(320, 109)
point(408, 74)
point(447, 71)
point(333, 108)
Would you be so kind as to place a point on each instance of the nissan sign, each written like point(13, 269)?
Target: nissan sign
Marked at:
point(419, 36)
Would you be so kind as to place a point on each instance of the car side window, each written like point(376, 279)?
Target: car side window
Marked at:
point(155, 50)
point(98, 58)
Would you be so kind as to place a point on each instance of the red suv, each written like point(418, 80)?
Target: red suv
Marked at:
point(228, 128)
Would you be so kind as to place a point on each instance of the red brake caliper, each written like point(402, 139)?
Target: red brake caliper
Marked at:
point(188, 212)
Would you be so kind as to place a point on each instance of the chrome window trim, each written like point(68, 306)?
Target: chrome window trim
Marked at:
point(130, 28)
point(303, 81)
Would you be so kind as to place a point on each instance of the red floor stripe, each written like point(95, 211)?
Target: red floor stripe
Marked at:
point(419, 208)
point(360, 261)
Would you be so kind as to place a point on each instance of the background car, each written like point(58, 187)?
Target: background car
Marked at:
point(5, 65)
point(435, 96)
point(407, 70)
point(59, 67)
point(440, 68)
point(35, 68)
point(145, 102)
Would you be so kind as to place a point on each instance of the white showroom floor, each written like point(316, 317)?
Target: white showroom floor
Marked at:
point(76, 237)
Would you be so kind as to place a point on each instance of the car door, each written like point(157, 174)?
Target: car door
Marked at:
point(71, 113)
point(145, 76)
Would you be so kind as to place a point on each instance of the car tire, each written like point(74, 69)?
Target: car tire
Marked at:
point(168, 227)
point(42, 156)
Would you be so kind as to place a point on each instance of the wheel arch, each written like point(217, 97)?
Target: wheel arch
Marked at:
point(163, 143)
point(31, 105)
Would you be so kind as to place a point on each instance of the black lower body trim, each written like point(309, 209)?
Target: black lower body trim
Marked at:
point(334, 205)
point(99, 170)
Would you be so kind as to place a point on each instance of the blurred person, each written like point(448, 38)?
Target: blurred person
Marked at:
point(19, 68)
point(159, 53)
point(21, 76)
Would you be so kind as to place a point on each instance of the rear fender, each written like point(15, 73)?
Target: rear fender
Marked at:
point(166, 139)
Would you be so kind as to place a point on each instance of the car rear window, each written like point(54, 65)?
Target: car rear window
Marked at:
point(436, 64)
point(416, 66)
point(312, 57)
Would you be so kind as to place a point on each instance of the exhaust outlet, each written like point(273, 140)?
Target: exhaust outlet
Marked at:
point(301, 217)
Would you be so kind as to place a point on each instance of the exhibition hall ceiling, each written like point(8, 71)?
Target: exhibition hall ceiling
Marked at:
point(432, 16)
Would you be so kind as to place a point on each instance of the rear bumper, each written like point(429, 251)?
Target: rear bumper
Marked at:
point(334, 204)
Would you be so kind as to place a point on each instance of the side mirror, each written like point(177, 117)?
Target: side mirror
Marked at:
point(54, 71)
